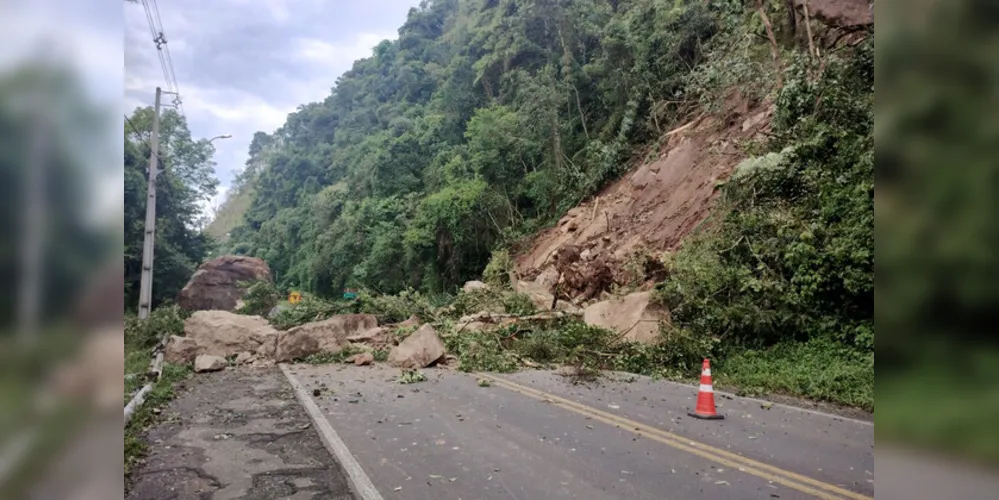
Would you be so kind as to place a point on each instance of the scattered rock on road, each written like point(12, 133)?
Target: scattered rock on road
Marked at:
point(419, 350)
point(363, 359)
point(209, 363)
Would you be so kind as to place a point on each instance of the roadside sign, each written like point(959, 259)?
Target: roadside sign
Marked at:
point(294, 297)
point(350, 293)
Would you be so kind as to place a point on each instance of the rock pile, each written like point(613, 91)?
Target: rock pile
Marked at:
point(213, 338)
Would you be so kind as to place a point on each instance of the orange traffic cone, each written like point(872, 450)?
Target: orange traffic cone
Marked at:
point(706, 396)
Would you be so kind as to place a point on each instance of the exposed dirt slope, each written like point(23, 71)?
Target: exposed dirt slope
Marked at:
point(649, 210)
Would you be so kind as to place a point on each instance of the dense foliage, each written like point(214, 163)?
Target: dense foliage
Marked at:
point(185, 178)
point(484, 120)
point(791, 257)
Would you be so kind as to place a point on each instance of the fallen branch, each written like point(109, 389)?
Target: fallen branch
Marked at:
point(808, 30)
point(684, 127)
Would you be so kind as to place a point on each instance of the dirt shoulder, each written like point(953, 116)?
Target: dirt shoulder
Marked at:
point(237, 434)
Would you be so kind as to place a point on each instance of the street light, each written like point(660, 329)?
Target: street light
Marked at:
point(225, 136)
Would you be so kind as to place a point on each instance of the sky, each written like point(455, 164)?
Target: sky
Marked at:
point(243, 65)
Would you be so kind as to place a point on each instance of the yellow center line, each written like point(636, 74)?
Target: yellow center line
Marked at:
point(790, 479)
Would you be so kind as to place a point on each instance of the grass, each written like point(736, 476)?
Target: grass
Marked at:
point(818, 370)
point(411, 377)
point(144, 417)
point(136, 363)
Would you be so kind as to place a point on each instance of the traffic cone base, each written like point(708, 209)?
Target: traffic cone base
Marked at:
point(706, 417)
point(706, 396)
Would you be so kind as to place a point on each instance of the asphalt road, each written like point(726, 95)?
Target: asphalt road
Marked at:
point(535, 435)
point(237, 435)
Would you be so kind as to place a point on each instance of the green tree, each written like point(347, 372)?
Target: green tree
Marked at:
point(185, 179)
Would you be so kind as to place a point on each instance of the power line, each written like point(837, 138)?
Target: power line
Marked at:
point(155, 22)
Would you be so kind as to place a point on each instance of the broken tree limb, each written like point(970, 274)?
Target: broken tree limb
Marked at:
point(812, 50)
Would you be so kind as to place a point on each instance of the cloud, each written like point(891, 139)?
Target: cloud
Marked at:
point(313, 50)
point(243, 65)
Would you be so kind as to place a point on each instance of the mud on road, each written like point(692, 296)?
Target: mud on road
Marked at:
point(237, 434)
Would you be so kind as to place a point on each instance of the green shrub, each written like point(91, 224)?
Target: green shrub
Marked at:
point(497, 272)
point(397, 308)
point(259, 299)
point(519, 304)
point(791, 256)
point(480, 351)
point(679, 355)
point(819, 369)
point(411, 377)
point(162, 322)
point(481, 300)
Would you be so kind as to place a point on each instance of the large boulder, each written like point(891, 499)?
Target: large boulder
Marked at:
point(215, 285)
point(296, 345)
point(222, 333)
point(419, 350)
point(377, 337)
point(180, 350)
point(329, 335)
point(633, 315)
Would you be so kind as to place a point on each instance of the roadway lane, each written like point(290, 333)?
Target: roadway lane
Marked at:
point(450, 438)
point(829, 448)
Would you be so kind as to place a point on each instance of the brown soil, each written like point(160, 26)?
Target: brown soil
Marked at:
point(650, 210)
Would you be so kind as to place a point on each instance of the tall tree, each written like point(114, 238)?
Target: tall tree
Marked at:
point(186, 178)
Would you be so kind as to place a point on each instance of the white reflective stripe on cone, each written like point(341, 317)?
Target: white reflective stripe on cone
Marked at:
point(706, 388)
point(706, 371)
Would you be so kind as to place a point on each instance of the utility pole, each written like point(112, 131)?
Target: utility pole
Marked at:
point(146, 284)
point(33, 243)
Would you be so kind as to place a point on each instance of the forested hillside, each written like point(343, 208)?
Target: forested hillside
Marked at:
point(481, 122)
point(486, 120)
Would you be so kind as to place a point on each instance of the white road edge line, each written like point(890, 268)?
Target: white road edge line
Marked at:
point(359, 479)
